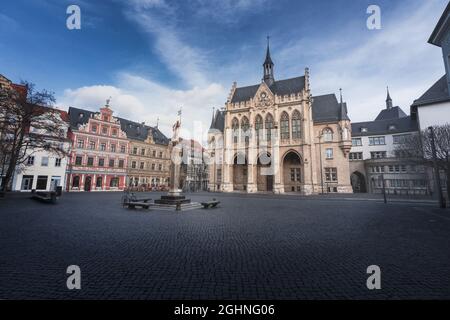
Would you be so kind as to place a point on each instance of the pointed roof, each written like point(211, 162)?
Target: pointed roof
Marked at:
point(391, 113)
point(218, 122)
point(437, 93)
point(268, 58)
point(388, 100)
point(326, 108)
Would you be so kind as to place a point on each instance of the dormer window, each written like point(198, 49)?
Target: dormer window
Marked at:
point(363, 129)
point(392, 127)
point(81, 115)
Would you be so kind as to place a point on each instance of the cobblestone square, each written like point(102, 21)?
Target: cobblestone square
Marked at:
point(251, 247)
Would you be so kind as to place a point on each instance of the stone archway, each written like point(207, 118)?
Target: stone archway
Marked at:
point(358, 182)
point(264, 176)
point(240, 174)
point(292, 172)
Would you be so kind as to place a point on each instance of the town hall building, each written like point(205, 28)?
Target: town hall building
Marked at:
point(276, 137)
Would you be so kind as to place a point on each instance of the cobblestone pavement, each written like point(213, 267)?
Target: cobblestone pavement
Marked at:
point(252, 247)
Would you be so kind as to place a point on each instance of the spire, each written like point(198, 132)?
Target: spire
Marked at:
point(157, 122)
point(212, 120)
point(340, 92)
point(343, 107)
point(268, 66)
point(388, 100)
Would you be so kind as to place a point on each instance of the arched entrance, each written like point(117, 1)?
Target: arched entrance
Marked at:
point(264, 173)
point(240, 173)
point(87, 183)
point(358, 182)
point(292, 173)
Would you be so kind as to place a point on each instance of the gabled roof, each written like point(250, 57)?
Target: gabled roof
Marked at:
point(134, 130)
point(280, 87)
point(380, 127)
point(391, 113)
point(326, 108)
point(441, 27)
point(437, 93)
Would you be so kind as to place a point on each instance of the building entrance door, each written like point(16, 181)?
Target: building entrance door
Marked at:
point(87, 184)
point(27, 182)
point(269, 183)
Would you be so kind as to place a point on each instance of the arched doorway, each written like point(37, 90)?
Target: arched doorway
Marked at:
point(292, 173)
point(240, 173)
point(264, 177)
point(87, 183)
point(358, 182)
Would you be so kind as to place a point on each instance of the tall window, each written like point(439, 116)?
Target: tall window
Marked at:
point(245, 126)
point(58, 162)
point(296, 125)
point(258, 126)
point(284, 126)
point(235, 128)
point(92, 145)
point(113, 148)
point(329, 153)
point(375, 141)
point(44, 161)
point(331, 175)
point(78, 160)
point(101, 162)
point(327, 135)
point(76, 182)
point(30, 160)
point(90, 161)
point(81, 144)
point(111, 163)
point(102, 146)
point(356, 142)
point(269, 126)
point(114, 183)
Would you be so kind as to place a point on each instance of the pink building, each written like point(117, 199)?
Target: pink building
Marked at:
point(99, 153)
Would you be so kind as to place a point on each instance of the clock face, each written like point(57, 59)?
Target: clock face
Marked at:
point(263, 95)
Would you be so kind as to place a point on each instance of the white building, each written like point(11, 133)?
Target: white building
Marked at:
point(373, 157)
point(43, 170)
point(433, 107)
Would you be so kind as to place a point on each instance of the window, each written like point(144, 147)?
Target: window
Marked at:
point(90, 161)
point(102, 146)
point(219, 175)
point(160, 154)
point(377, 169)
point(246, 133)
point(133, 164)
point(41, 183)
point(135, 150)
point(76, 182)
point(114, 182)
point(284, 126)
point(153, 166)
point(81, 144)
point(400, 138)
point(114, 132)
point(376, 141)
point(356, 156)
point(104, 130)
point(235, 128)
point(94, 128)
point(269, 126)
point(295, 174)
point(122, 149)
point(160, 167)
point(356, 142)
point(141, 165)
point(258, 127)
point(403, 168)
point(296, 125)
point(378, 154)
point(364, 130)
point(154, 153)
point(142, 152)
point(58, 162)
point(329, 153)
point(331, 174)
point(101, 162)
point(392, 127)
point(113, 147)
point(327, 135)
point(44, 162)
point(98, 182)
point(121, 163)
point(78, 160)
point(111, 163)
point(92, 145)
point(30, 160)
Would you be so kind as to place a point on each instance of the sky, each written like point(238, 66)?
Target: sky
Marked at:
point(153, 57)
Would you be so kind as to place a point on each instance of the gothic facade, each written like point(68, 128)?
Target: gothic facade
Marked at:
point(276, 137)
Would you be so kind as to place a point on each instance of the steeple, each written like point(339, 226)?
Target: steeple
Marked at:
point(268, 67)
point(388, 100)
point(213, 119)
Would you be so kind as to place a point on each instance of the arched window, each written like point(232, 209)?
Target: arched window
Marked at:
point(98, 183)
point(296, 125)
point(269, 126)
point(258, 126)
point(327, 135)
point(245, 125)
point(284, 126)
point(76, 182)
point(235, 128)
point(212, 143)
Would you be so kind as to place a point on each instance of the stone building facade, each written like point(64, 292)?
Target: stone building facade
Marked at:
point(149, 157)
point(276, 137)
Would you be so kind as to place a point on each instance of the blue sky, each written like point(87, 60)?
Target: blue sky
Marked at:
point(153, 56)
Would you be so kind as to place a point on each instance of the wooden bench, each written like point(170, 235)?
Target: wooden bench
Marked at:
point(46, 196)
point(135, 204)
point(210, 204)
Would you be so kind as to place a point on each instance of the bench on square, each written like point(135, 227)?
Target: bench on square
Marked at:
point(210, 204)
point(46, 196)
point(137, 204)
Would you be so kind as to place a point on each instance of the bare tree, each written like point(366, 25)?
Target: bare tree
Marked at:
point(28, 124)
point(417, 149)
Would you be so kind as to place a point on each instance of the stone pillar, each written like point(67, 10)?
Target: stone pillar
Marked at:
point(251, 178)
